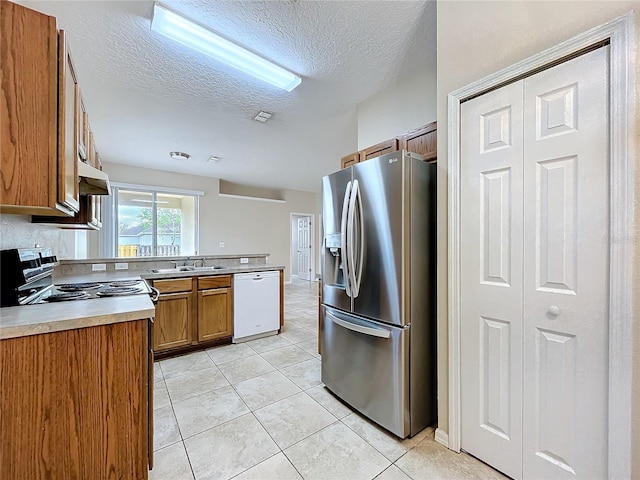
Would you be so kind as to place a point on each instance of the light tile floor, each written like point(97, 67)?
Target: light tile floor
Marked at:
point(258, 410)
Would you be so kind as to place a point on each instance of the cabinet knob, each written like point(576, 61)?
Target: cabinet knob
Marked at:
point(553, 311)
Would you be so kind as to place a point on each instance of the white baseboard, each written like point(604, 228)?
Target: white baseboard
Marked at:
point(442, 437)
point(288, 282)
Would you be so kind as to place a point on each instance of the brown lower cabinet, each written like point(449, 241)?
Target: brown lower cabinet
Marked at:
point(192, 311)
point(77, 403)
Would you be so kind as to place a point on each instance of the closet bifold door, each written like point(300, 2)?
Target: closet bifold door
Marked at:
point(566, 265)
point(534, 178)
point(491, 278)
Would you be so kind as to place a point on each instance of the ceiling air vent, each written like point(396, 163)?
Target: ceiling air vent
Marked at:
point(262, 116)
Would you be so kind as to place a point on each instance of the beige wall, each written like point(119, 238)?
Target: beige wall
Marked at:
point(476, 38)
point(407, 104)
point(245, 226)
point(410, 101)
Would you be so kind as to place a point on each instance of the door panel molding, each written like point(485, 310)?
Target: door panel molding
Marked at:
point(619, 34)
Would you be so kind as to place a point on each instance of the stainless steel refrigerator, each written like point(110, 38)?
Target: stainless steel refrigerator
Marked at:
point(378, 290)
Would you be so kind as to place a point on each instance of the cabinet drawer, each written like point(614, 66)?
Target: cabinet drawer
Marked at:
point(172, 285)
point(214, 282)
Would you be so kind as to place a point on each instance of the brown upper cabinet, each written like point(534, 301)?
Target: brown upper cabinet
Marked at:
point(349, 160)
point(422, 141)
point(39, 124)
point(381, 148)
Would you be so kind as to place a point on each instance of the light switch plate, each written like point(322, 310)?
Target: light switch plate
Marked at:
point(244, 260)
point(122, 266)
point(98, 267)
point(221, 244)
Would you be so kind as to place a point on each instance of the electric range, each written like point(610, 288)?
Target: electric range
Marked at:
point(27, 279)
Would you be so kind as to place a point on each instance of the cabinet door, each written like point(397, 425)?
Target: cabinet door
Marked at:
point(349, 160)
point(68, 128)
point(28, 117)
point(173, 320)
point(214, 314)
point(422, 141)
point(382, 148)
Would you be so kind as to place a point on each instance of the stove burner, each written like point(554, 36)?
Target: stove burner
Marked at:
point(62, 297)
point(124, 283)
point(75, 287)
point(113, 291)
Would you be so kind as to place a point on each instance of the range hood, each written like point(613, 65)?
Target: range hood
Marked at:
point(92, 180)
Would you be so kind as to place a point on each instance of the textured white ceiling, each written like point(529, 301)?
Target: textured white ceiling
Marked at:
point(147, 95)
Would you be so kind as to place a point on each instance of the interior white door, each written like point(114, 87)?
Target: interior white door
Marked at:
point(304, 248)
point(534, 273)
point(491, 280)
point(566, 283)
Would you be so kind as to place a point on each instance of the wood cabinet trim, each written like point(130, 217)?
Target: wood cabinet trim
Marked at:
point(68, 190)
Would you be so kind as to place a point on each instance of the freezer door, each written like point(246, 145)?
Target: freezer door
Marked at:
point(366, 364)
point(334, 278)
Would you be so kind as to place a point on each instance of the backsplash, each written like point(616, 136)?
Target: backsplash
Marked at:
point(139, 265)
point(17, 231)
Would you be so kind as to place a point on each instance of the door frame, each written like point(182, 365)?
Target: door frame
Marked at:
point(619, 34)
point(312, 260)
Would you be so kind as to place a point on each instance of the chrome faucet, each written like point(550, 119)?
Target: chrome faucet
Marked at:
point(201, 260)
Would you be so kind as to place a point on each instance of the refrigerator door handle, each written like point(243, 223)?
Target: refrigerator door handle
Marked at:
point(351, 240)
point(344, 251)
point(358, 275)
point(374, 332)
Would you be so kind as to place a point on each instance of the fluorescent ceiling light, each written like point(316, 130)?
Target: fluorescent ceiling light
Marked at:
point(192, 35)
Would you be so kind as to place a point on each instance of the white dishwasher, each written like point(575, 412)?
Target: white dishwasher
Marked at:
point(256, 305)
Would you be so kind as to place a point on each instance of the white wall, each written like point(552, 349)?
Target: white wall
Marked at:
point(245, 226)
point(479, 38)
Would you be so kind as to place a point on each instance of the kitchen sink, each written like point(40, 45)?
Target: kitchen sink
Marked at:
point(203, 269)
point(170, 270)
point(185, 268)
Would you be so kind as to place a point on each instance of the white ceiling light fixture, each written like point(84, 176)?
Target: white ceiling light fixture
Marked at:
point(195, 36)
point(179, 155)
point(214, 159)
point(263, 116)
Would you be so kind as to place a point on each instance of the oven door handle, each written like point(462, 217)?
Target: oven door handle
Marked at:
point(155, 295)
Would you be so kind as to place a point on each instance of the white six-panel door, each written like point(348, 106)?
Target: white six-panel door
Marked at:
point(304, 248)
point(534, 283)
point(491, 289)
point(566, 283)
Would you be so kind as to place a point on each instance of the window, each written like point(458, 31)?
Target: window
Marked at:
point(150, 222)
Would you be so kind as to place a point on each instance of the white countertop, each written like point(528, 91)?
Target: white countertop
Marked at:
point(27, 320)
point(220, 271)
